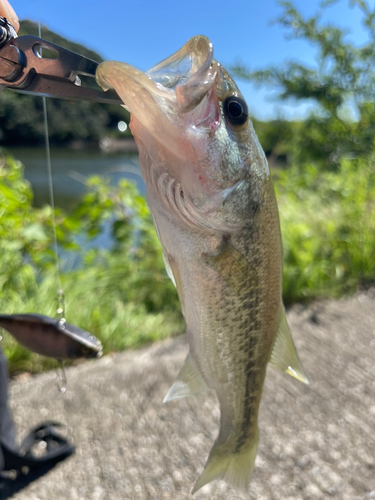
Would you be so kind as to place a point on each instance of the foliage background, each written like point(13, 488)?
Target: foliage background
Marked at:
point(324, 172)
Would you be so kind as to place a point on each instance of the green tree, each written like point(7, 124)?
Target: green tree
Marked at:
point(342, 85)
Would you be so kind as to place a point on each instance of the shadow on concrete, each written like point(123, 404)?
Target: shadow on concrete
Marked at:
point(10, 485)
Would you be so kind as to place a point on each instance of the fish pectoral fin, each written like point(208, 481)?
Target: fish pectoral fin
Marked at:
point(284, 355)
point(189, 381)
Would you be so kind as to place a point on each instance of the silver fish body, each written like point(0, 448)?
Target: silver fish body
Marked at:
point(210, 193)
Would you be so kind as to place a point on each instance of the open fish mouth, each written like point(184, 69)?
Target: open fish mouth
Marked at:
point(176, 84)
point(191, 72)
point(188, 63)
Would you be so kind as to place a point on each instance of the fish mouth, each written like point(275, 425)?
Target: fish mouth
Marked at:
point(191, 72)
point(169, 89)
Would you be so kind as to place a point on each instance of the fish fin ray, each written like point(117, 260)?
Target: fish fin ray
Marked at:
point(235, 468)
point(174, 273)
point(189, 382)
point(169, 269)
point(284, 354)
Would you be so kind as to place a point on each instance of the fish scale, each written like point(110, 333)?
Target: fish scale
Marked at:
point(209, 190)
point(249, 350)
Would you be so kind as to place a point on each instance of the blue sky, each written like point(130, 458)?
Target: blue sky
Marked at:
point(143, 32)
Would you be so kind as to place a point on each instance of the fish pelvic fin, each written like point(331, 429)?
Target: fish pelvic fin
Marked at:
point(169, 270)
point(284, 354)
point(189, 381)
point(234, 467)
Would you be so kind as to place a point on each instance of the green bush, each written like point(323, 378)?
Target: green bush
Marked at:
point(328, 227)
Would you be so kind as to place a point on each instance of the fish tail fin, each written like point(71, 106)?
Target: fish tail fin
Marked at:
point(234, 467)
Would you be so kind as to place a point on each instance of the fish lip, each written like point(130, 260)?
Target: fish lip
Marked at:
point(199, 49)
point(133, 77)
point(183, 78)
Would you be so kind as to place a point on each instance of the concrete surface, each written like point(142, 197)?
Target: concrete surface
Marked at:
point(316, 442)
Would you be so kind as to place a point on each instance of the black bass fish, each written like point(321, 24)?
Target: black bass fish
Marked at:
point(51, 337)
point(209, 190)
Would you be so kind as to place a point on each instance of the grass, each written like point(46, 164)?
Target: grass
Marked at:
point(328, 227)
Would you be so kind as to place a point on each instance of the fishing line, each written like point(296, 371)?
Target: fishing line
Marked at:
point(60, 292)
point(61, 375)
point(62, 380)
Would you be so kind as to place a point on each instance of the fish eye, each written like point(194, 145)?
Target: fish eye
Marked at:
point(235, 110)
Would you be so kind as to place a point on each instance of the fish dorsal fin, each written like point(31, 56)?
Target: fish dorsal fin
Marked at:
point(284, 355)
point(189, 381)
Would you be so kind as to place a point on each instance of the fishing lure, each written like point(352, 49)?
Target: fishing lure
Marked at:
point(51, 337)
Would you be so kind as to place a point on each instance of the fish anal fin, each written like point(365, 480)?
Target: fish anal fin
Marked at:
point(189, 382)
point(284, 355)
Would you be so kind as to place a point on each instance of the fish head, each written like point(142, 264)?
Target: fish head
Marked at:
point(195, 138)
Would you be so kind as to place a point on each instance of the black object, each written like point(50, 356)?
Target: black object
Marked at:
point(17, 459)
point(57, 449)
point(7, 432)
point(7, 31)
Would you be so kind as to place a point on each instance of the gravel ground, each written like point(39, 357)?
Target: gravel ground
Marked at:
point(315, 442)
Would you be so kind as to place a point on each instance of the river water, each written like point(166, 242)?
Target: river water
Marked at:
point(69, 170)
